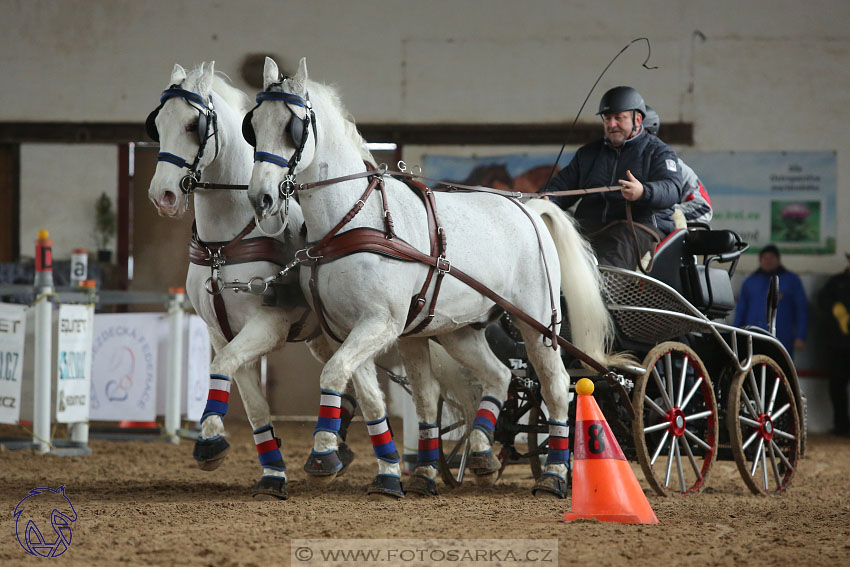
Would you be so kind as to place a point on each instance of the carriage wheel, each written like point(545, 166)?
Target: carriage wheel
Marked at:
point(764, 428)
point(454, 443)
point(675, 427)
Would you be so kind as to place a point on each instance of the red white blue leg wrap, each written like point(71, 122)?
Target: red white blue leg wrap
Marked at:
point(559, 443)
point(329, 412)
point(218, 396)
point(429, 445)
point(487, 416)
point(268, 448)
point(382, 440)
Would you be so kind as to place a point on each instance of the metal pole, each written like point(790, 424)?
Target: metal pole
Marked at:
point(43, 371)
point(175, 363)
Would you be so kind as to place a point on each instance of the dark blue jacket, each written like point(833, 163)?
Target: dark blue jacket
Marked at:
point(597, 164)
point(792, 318)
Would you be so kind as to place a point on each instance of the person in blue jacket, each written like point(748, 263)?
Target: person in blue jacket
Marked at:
point(792, 316)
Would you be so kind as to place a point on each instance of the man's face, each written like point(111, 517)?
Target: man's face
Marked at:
point(768, 261)
point(618, 126)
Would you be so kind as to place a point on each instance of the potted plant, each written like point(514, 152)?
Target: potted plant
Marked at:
point(104, 226)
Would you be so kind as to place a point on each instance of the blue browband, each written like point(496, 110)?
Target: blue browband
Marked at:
point(175, 92)
point(173, 159)
point(271, 158)
point(281, 96)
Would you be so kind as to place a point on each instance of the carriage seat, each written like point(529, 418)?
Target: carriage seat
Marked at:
point(708, 288)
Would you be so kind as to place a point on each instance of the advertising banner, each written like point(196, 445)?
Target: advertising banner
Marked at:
point(13, 320)
point(73, 369)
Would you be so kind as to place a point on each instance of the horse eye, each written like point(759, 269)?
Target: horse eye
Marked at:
point(192, 126)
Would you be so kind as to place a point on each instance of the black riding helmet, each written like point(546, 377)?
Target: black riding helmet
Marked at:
point(619, 99)
point(651, 121)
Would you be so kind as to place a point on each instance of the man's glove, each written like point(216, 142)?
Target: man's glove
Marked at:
point(839, 311)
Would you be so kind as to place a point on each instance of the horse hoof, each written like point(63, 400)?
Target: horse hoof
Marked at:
point(550, 485)
point(346, 456)
point(210, 453)
point(421, 485)
point(270, 488)
point(320, 465)
point(385, 486)
point(487, 480)
point(484, 463)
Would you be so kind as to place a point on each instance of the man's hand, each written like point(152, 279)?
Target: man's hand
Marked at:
point(632, 188)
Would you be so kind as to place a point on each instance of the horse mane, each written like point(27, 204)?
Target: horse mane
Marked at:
point(331, 94)
point(222, 86)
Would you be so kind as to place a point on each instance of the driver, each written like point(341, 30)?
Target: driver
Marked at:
point(647, 171)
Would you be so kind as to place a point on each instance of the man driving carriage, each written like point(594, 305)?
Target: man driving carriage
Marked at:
point(646, 169)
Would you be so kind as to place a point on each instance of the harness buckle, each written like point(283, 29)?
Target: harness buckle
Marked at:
point(214, 285)
point(286, 189)
point(443, 265)
point(188, 184)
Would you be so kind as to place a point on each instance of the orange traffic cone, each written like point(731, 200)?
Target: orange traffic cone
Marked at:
point(604, 486)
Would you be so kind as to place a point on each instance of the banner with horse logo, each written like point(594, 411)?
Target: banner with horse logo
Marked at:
point(13, 320)
point(74, 348)
point(124, 366)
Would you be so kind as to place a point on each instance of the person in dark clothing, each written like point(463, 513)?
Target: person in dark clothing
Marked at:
point(643, 166)
point(792, 315)
point(834, 303)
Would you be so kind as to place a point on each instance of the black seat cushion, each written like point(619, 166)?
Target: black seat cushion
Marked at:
point(710, 242)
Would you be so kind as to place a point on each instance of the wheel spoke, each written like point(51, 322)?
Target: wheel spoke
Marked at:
point(690, 395)
point(655, 406)
point(461, 443)
point(756, 394)
point(764, 477)
point(682, 379)
point(668, 373)
point(656, 427)
point(461, 469)
point(749, 421)
point(775, 467)
point(698, 441)
point(750, 439)
point(452, 427)
point(669, 462)
point(691, 458)
point(748, 404)
point(782, 456)
point(780, 411)
point(773, 395)
point(660, 447)
point(661, 388)
point(679, 467)
point(700, 415)
point(763, 390)
point(757, 457)
point(784, 434)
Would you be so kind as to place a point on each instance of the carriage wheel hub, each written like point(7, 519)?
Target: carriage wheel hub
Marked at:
point(677, 421)
point(766, 429)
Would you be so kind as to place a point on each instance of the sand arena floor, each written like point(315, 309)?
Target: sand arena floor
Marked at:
point(147, 503)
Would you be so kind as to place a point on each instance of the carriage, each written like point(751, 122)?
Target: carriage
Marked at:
point(702, 391)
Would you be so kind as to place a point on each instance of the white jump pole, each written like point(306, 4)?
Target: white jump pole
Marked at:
point(43, 369)
point(175, 363)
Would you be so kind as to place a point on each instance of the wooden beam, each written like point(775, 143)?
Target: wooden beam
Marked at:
point(675, 133)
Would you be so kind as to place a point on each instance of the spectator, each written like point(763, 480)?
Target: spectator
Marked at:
point(792, 315)
point(834, 303)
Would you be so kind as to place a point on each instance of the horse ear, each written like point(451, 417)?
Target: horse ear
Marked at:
point(178, 74)
point(206, 80)
point(271, 74)
point(300, 78)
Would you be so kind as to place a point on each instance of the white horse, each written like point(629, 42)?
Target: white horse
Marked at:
point(367, 296)
point(198, 126)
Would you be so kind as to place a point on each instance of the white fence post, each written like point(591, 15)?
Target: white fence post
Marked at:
point(175, 363)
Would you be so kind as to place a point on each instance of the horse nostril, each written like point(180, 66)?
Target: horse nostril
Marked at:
point(267, 202)
point(169, 198)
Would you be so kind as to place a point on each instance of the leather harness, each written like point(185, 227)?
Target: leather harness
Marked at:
point(241, 250)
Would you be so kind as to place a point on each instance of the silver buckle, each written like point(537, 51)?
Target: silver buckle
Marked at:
point(443, 266)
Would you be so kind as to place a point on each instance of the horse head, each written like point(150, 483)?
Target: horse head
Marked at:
point(282, 129)
point(186, 125)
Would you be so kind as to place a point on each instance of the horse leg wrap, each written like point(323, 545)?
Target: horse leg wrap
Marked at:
point(429, 445)
point(210, 452)
point(559, 443)
point(326, 463)
point(487, 416)
point(268, 449)
point(550, 484)
point(218, 396)
point(382, 440)
point(388, 484)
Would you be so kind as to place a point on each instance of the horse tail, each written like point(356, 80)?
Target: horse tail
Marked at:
point(591, 326)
